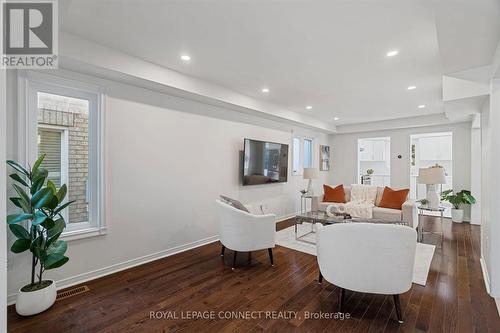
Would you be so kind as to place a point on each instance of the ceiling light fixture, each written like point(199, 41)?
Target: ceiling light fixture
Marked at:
point(392, 53)
point(412, 87)
point(185, 57)
point(309, 107)
point(265, 90)
point(421, 106)
point(336, 118)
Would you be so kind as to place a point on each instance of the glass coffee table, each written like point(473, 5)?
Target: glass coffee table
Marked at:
point(321, 217)
point(313, 218)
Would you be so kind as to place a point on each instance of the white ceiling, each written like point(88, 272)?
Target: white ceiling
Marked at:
point(328, 54)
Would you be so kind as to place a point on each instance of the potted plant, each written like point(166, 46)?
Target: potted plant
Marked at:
point(370, 172)
point(41, 207)
point(458, 199)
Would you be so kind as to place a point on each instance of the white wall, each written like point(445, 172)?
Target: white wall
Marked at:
point(3, 201)
point(491, 182)
point(485, 189)
point(344, 154)
point(164, 169)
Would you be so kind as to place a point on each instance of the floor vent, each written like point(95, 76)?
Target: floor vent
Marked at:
point(72, 292)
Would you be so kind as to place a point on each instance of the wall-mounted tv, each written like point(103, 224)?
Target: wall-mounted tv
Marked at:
point(264, 162)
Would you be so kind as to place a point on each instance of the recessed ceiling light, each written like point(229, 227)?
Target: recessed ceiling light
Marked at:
point(392, 53)
point(185, 57)
point(421, 106)
point(309, 107)
point(336, 118)
point(265, 90)
point(412, 87)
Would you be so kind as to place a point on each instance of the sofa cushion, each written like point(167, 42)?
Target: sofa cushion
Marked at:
point(336, 194)
point(234, 203)
point(393, 198)
point(387, 214)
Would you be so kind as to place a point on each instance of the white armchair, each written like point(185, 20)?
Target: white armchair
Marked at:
point(368, 258)
point(244, 232)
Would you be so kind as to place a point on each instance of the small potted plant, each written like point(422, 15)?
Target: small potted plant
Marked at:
point(41, 206)
point(424, 202)
point(458, 199)
point(370, 172)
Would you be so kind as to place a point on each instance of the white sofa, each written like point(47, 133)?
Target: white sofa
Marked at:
point(408, 214)
point(245, 232)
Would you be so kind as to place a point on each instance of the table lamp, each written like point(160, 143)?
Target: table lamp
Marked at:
point(431, 177)
point(310, 173)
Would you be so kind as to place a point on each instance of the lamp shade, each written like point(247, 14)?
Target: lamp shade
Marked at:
point(310, 173)
point(432, 175)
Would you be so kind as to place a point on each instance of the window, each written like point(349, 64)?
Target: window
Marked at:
point(296, 155)
point(302, 154)
point(64, 123)
point(308, 153)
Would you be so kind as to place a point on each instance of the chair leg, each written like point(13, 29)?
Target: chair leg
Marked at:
point(320, 278)
point(270, 250)
point(342, 299)
point(234, 260)
point(222, 251)
point(397, 305)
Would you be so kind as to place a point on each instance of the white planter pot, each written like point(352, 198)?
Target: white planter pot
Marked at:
point(33, 302)
point(457, 215)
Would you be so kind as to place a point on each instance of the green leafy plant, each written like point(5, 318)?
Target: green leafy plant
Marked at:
point(463, 197)
point(42, 205)
point(424, 201)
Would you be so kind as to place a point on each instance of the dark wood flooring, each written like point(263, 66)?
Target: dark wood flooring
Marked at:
point(454, 299)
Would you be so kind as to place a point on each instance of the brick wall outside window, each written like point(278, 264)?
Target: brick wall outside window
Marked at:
point(71, 114)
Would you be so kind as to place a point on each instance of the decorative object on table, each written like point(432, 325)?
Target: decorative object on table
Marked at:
point(42, 207)
point(424, 202)
point(431, 177)
point(370, 172)
point(458, 199)
point(310, 174)
point(335, 210)
point(324, 158)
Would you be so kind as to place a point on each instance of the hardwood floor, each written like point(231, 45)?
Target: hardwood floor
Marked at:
point(454, 299)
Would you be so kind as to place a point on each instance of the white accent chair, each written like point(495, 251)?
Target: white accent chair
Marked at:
point(244, 232)
point(368, 258)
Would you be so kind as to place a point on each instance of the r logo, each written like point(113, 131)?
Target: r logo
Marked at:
point(28, 28)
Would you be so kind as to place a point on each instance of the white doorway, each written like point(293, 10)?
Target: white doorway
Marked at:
point(374, 161)
point(427, 150)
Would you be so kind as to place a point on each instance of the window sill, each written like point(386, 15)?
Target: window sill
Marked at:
point(83, 233)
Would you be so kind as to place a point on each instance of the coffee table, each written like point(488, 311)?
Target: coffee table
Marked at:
point(321, 217)
point(313, 218)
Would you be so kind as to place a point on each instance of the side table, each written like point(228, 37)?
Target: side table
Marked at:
point(421, 231)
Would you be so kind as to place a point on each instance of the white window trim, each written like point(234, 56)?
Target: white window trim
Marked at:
point(27, 139)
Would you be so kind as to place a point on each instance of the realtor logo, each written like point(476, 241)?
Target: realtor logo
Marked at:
point(29, 34)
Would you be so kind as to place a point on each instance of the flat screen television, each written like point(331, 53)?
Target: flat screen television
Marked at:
point(264, 162)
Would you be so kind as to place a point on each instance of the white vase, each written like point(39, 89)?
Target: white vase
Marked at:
point(457, 215)
point(33, 302)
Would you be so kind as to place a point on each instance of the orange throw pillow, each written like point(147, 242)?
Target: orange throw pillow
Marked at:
point(393, 199)
point(336, 194)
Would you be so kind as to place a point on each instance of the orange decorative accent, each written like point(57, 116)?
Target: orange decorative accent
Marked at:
point(336, 194)
point(393, 198)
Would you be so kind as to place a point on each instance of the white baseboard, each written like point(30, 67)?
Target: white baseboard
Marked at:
point(81, 278)
point(486, 276)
